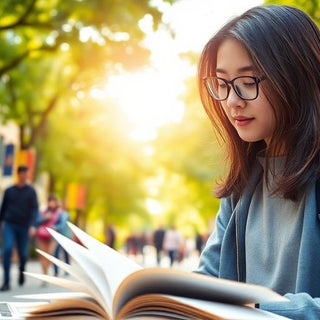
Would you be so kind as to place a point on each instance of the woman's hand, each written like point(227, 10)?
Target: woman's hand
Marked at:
point(32, 232)
point(48, 216)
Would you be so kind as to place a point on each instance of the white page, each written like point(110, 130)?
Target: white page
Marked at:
point(72, 269)
point(171, 281)
point(61, 282)
point(54, 296)
point(115, 265)
point(228, 311)
point(89, 265)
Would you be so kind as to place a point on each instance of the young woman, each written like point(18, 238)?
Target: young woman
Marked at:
point(259, 79)
point(49, 219)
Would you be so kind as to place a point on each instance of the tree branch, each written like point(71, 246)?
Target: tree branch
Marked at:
point(13, 63)
point(16, 61)
point(22, 19)
point(36, 129)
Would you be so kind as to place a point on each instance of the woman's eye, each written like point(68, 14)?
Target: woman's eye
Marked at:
point(222, 84)
point(249, 84)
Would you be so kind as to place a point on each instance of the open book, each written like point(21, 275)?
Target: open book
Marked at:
point(108, 285)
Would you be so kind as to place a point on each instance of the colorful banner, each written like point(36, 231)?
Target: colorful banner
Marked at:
point(8, 164)
point(27, 158)
point(71, 196)
point(75, 196)
point(81, 196)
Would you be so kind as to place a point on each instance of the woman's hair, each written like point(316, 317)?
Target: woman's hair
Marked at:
point(52, 197)
point(284, 45)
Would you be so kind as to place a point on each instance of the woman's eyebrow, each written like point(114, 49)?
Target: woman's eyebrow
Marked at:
point(242, 69)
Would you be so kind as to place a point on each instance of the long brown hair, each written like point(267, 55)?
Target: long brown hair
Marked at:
point(284, 45)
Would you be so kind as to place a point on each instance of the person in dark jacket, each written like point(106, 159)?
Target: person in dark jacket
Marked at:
point(158, 237)
point(18, 213)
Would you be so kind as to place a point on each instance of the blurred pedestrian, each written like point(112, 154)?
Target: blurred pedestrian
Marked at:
point(158, 237)
point(142, 244)
point(18, 213)
point(110, 234)
point(61, 226)
point(132, 244)
point(171, 244)
point(49, 218)
point(199, 242)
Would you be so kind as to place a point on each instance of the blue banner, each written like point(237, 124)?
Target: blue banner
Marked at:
point(8, 163)
point(1, 151)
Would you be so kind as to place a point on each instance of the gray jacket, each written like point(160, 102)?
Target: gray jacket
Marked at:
point(224, 254)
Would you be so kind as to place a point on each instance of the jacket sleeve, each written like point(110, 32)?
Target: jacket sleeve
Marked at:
point(62, 220)
point(34, 209)
point(3, 206)
point(210, 256)
point(301, 306)
point(39, 220)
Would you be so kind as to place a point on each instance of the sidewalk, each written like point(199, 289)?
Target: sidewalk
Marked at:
point(35, 286)
point(31, 285)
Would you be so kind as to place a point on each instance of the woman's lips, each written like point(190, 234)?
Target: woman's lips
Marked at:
point(242, 121)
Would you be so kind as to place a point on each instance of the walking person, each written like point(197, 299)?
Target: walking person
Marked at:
point(19, 210)
point(110, 234)
point(45, 241)
point(171, 244)
point(158, 237)
point(61, 226)
point(199, 242)
point(259, 79)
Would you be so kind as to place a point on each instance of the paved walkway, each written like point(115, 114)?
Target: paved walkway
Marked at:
point(32, 286)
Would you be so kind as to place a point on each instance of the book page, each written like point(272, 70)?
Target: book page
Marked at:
point(90, 266)
point(54, 296)
point(112, 274)
point(187, 308)
point(61, 282)
point(190, 285)
point(93, 266)
point(65, 304)
point(74, 270)
point(65, 307)
point(70, 317)
point(116, 266)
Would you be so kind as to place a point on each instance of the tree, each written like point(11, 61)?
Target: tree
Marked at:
point(55, 53)
point(55, 48)
point(94, 149)
point(191, 160)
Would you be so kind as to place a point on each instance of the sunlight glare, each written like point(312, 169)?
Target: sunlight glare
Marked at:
point(148, 150)
point(149, 98)
point(154, 206)
point(195, 21)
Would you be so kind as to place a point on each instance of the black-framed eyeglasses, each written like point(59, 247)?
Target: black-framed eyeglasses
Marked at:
point(246, 87)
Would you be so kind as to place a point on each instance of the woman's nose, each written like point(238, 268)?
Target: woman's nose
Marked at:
point(234, 100)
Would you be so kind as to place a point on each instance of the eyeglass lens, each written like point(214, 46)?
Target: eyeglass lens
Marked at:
point(245, 87)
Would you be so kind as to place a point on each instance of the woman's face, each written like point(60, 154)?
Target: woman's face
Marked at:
point(254, 120)
point(53, 204)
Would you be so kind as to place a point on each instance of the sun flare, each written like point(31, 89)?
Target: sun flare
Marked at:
point(149, 98)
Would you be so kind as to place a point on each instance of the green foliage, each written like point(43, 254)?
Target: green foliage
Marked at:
point(50, 47)
point(194, 161)
point(54, 52)
point(312, 7)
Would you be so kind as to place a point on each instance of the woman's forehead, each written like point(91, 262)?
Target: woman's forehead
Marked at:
point(233, 57)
